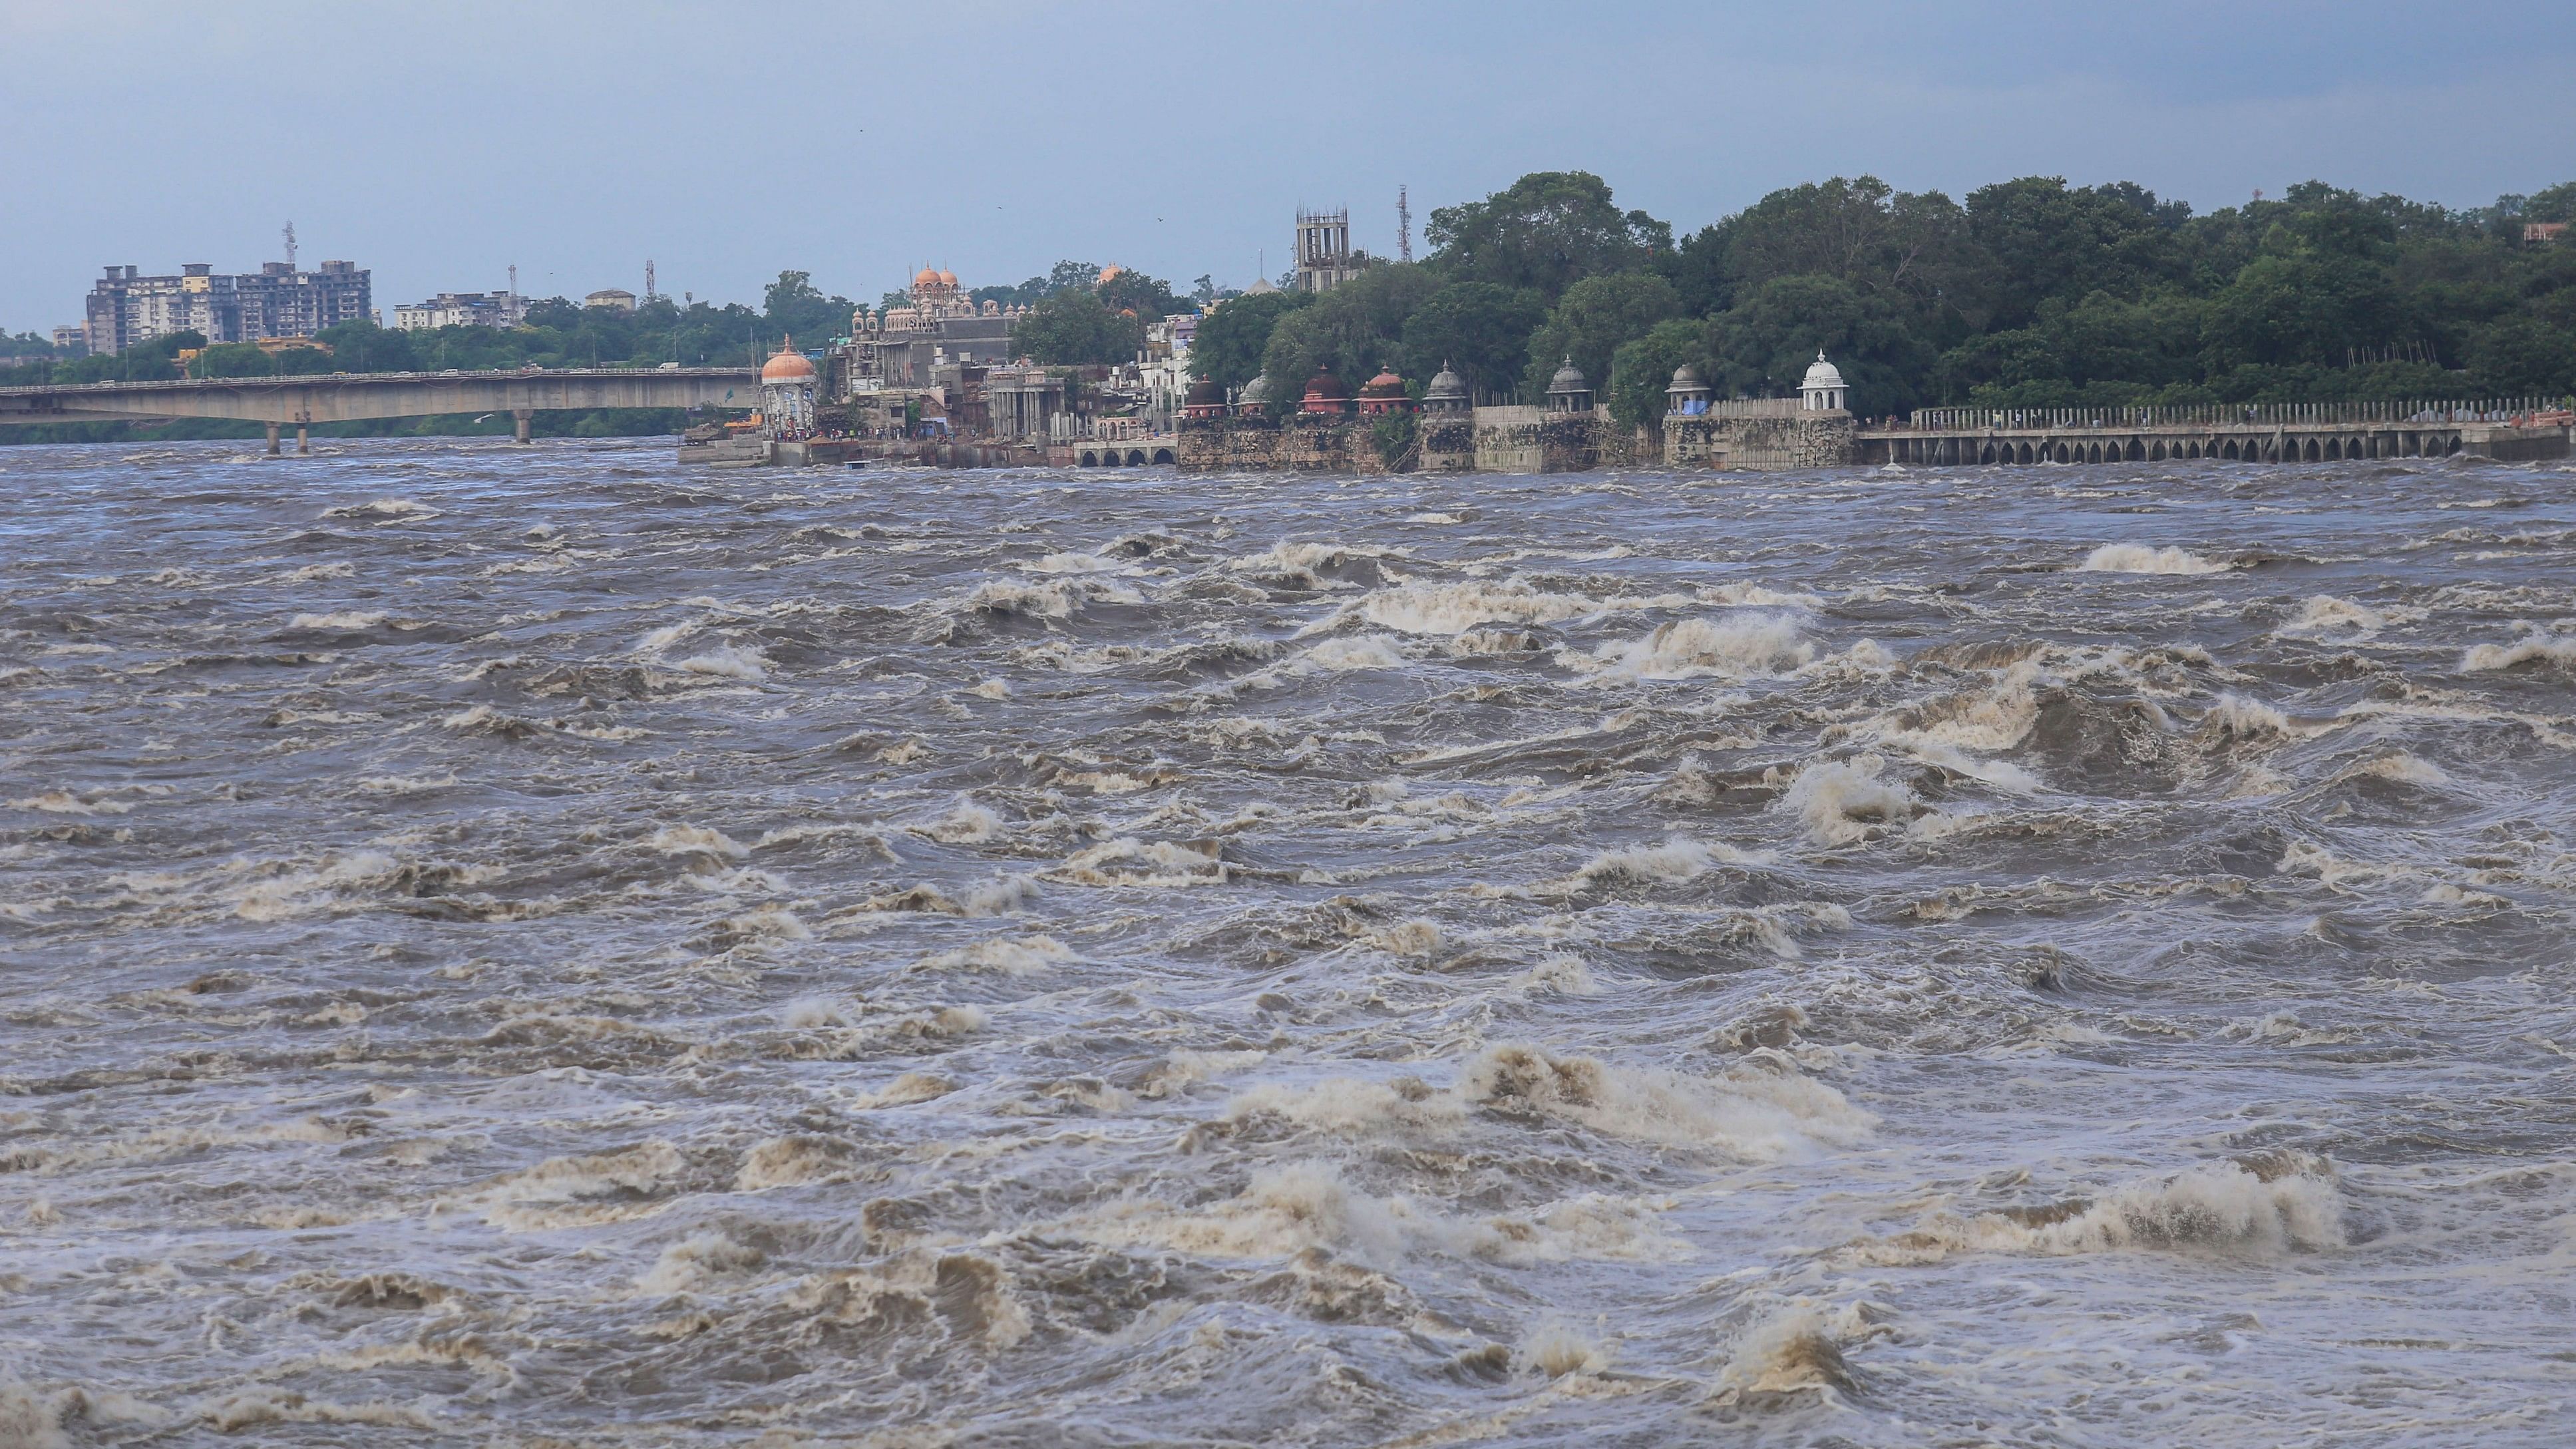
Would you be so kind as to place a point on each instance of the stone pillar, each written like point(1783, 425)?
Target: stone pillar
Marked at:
point(523, 414)
point(303, 441)
point(272, 440)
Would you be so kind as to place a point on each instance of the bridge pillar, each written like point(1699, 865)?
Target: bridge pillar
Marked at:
point(272, 440)
point(303, 443)
point(523, 414)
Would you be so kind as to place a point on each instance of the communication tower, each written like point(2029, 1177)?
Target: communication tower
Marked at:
point(290, 246)
point(1403, 226)
point(649, 293)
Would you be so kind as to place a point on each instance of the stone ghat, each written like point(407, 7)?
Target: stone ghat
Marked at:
point(1514, 440)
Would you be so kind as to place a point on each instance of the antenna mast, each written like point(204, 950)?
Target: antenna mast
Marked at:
point(649, 293)
point(1403, 225)
point(290, 246)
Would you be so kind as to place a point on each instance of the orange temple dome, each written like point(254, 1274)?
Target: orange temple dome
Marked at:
point(787, 366)
point(926, 277)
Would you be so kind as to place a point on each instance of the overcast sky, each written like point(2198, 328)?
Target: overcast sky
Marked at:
point(437, 143)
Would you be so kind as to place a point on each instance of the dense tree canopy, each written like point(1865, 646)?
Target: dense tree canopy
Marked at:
point(1354, 331)
point(1075, 326)
point(1593, 318)
point(1549, 230)
point(1232, 338)
point(1480, 329)
point(1144, 297)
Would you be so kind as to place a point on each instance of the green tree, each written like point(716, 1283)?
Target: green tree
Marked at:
point(2306, 306)
point(1075, 327)
point(793, 306)
point(1905, 246)
point(1642, 369)
point(1764, 343)
point(1231, 338)
point(2038, 238)
point(2524, 357)
point(1353, 331)
point(1545, 232)
point(1147, 297)
point(1480, 329)
point(1697, 268)
point(2556, 203)
point(1593, 318)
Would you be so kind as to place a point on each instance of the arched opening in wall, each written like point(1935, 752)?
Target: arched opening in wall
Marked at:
point(1135, 457)
point(2230, 454)
point(2025, 452)
point(1090, 460)
point(2093, 454)
point(1986, 454)
point(1164, 455)
point(2334, 450)
point(2156, 453)
point(2315, 453)
point(2450, 445)
point(2138, 451)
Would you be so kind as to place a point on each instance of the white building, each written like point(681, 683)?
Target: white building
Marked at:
point(1823, 390)
point(616, 299)
point(1164, 369)
point(125, 307)
point(787, 395)
point(461, 309)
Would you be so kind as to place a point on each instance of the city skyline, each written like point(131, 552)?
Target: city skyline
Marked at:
point(994, 139)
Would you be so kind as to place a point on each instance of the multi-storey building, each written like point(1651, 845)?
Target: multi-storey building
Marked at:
point(461, 309)
point(126, 308)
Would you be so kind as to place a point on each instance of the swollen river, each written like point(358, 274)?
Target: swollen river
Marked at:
point(528, 946)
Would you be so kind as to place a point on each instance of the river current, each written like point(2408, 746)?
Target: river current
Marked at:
point(529, 946)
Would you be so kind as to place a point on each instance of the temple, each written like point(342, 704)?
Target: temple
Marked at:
point(904, 346)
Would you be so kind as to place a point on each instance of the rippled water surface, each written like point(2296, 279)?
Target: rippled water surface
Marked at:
point(530, 946)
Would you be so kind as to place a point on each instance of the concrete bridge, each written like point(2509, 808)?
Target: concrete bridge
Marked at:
point(339, 397)
point(2508, 429)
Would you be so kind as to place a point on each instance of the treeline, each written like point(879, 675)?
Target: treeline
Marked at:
point(2030, 293)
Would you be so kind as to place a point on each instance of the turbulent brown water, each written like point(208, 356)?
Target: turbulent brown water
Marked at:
point(528, 946)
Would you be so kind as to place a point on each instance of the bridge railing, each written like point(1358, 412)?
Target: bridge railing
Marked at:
point(2231, 415)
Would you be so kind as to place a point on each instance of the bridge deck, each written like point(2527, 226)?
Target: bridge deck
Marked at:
point(352, 396)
